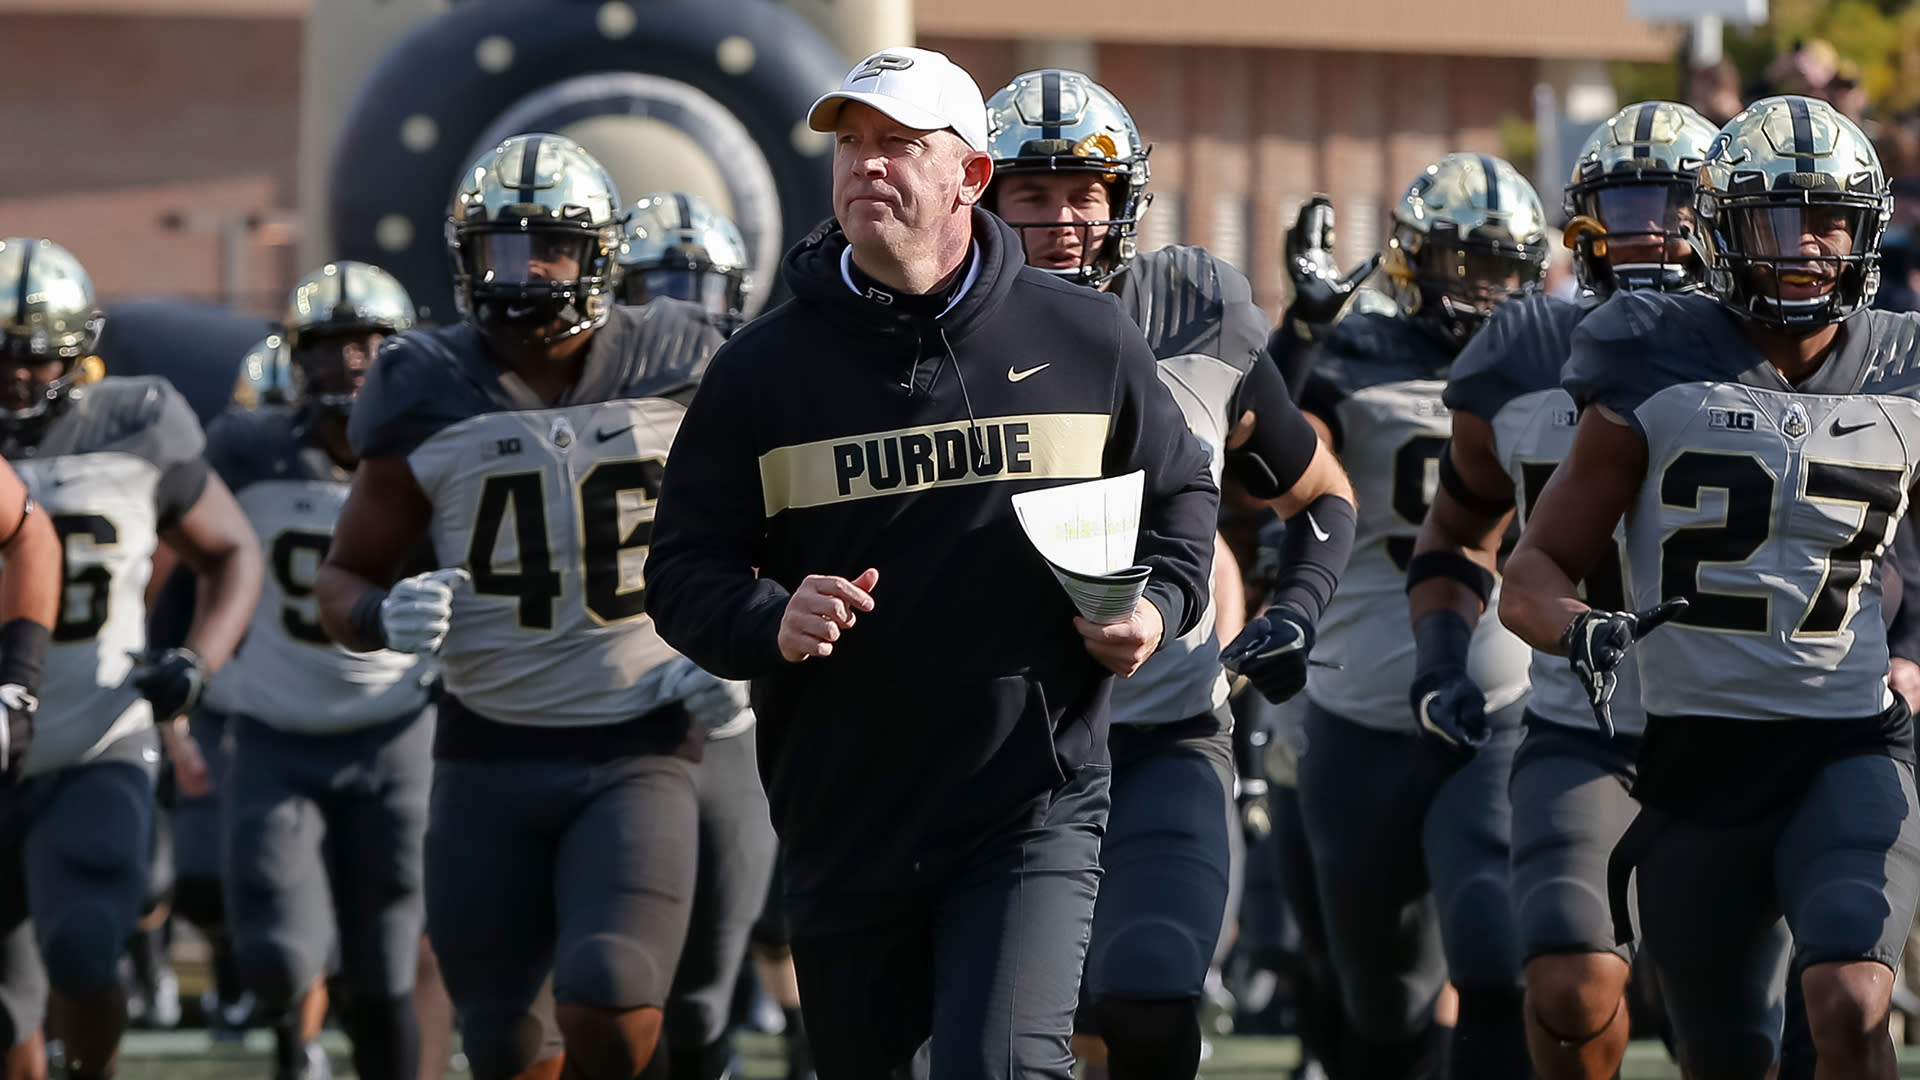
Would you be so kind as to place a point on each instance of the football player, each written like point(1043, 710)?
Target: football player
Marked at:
point(676, 244)
point(1070, 174)
point(1409, 832)
point(116, 464)
point(1760, 445)
point(527, 442)
point(1630, 204)
point(331, 750)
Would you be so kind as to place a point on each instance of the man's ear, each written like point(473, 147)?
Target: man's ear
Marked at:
point(976, 174)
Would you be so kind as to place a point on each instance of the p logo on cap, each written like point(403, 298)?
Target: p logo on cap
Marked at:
point(879, 63)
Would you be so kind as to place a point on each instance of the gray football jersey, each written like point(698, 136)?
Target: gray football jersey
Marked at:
point(98, 470)
point(1198, 314)
point(549, 507)
point(1768, 506)
point(1378, 383)
point(1509, 376)
point(288, 673)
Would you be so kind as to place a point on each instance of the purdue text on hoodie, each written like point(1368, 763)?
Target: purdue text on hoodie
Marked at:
point(846, 430)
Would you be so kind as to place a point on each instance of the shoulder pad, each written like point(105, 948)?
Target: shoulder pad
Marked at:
point(1894, 364)
point(1186, 301)
point(139, 414)
point(1520, 350)
point(1641, 342)
point(670, 343)
point(419, 384)
point(244, 445)
point(1365, 349)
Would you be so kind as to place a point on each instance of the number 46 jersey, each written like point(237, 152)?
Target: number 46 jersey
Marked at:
point(1768, 506)
point(119, 462)
point(549, 507)
point(288, 673)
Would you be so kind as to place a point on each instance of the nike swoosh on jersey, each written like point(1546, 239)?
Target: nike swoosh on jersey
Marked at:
point(1838, 429)
point(1319, 533)
point(601, 435)
point(1016, 376)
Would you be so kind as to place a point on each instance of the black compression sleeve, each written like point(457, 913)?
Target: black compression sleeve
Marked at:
point(1441, 639)
point(365, 618)
point(23, 653)
point(179, 488)
point(1292, 355)
point(1455, 485)
point(1281, 447)
point(1313, 554)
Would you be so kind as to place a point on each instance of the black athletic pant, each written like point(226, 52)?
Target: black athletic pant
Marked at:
point(985, 962)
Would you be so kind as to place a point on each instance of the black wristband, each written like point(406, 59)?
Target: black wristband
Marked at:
point(1313, 554)
point(1455, 485)
point(1441, 639)
point(1450, 564)
point(23, 653)
point(365, 619)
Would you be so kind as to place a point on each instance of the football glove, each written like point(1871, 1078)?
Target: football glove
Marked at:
point(1272, 652)
point(1596, 644)
point(171, 681)
point(16, 733)
point(1451, 709)
point(1256, 817)
point(1319, 292)
point(416, 613)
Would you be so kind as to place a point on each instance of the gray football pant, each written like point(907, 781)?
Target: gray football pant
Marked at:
point(1410, 855)
point(1831, 877)
point(318, 818)
point(736, 865)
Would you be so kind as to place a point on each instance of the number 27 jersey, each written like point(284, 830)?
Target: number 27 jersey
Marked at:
point(1767, 505)
point(549, 508)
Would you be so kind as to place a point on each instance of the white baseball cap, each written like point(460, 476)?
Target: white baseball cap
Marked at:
point(916, 87)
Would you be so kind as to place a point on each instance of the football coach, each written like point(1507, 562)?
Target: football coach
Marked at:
point(835, 525)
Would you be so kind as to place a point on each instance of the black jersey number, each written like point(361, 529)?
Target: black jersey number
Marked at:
point(1605, 586)
point(84, 600)
point(296, 557)
point(604, 541)
point(1750, 492)
point(1416, 472)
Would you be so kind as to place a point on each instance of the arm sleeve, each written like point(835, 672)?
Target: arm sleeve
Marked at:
point(708, 530)
point(1282, 445)
point(1180, 504)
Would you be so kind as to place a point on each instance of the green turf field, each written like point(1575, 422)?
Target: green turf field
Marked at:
point(188, 1056)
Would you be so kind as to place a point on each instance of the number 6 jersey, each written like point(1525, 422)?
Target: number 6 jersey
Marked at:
point(1766, 505)
point(550, 508)
point(288, 673)
point(1378, 385)
point(120, 461)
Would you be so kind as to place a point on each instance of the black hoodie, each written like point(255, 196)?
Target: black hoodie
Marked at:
point(830, 435)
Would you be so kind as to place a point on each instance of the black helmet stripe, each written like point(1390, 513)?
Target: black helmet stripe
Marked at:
point(1803, 154)
point(1493, 181)
point(685, 208)
point(1050, 104)
point(26, 270)
point(1643, 131)
point(343, 306)
point(529, 169)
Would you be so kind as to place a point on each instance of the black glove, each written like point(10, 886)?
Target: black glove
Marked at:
point(172, 681)
point(1272, 652)
point(1451, 709)
point(16, 734)
point(1596, 643)
point(1319, 292)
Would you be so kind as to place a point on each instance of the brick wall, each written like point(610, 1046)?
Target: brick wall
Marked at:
point(118, 125)
point(1241, 136)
